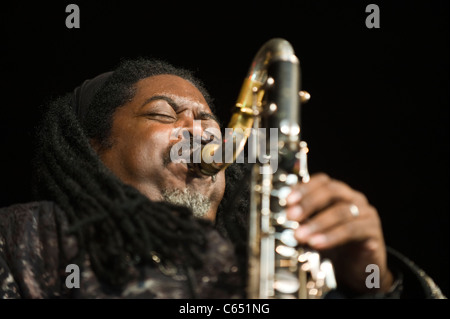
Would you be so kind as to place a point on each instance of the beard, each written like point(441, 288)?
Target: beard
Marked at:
point(198, 203)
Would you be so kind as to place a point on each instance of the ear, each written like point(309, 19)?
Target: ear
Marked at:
point(101, 146)
point(96, 145)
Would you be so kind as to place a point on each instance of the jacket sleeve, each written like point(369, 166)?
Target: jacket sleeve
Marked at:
point(412, 281)
point(29, 251)
point(9, 288)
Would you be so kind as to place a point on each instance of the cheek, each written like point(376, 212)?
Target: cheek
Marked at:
point(150, 149)
point(143, 149)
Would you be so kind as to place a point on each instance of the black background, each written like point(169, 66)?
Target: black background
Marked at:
point(378, 117)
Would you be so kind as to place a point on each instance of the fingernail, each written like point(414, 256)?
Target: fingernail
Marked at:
point(303, 231)
point(294, 212)
point(293, 197)
point(317, 240)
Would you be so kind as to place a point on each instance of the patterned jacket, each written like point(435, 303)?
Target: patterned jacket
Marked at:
point(35, 255)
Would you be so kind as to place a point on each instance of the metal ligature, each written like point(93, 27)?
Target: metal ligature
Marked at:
point(270, 97)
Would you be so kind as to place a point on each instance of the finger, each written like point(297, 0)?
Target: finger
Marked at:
point(293, 210)
point(356, 230)
point(325, 195)
point(326, 219)
point(301, 189)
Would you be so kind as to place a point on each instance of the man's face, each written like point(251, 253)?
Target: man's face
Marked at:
point(142, 136)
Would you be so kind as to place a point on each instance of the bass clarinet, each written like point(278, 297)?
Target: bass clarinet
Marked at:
point(270, 97)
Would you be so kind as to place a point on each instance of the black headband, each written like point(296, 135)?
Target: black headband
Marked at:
point(82, 95)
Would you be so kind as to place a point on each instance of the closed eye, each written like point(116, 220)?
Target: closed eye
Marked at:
point(161, 117)
point(208, 116)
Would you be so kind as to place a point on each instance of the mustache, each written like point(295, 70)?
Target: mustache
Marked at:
point(186, 152)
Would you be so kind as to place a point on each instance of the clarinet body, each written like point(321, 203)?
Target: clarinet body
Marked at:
point(270, 98)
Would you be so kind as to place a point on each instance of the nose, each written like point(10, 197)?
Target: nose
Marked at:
point(193, 130)
point(193, 133)
point(196, 136)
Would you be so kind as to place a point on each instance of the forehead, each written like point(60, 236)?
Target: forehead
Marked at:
point(175, 87)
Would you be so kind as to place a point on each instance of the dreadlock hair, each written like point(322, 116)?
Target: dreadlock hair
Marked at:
point(115, 225)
